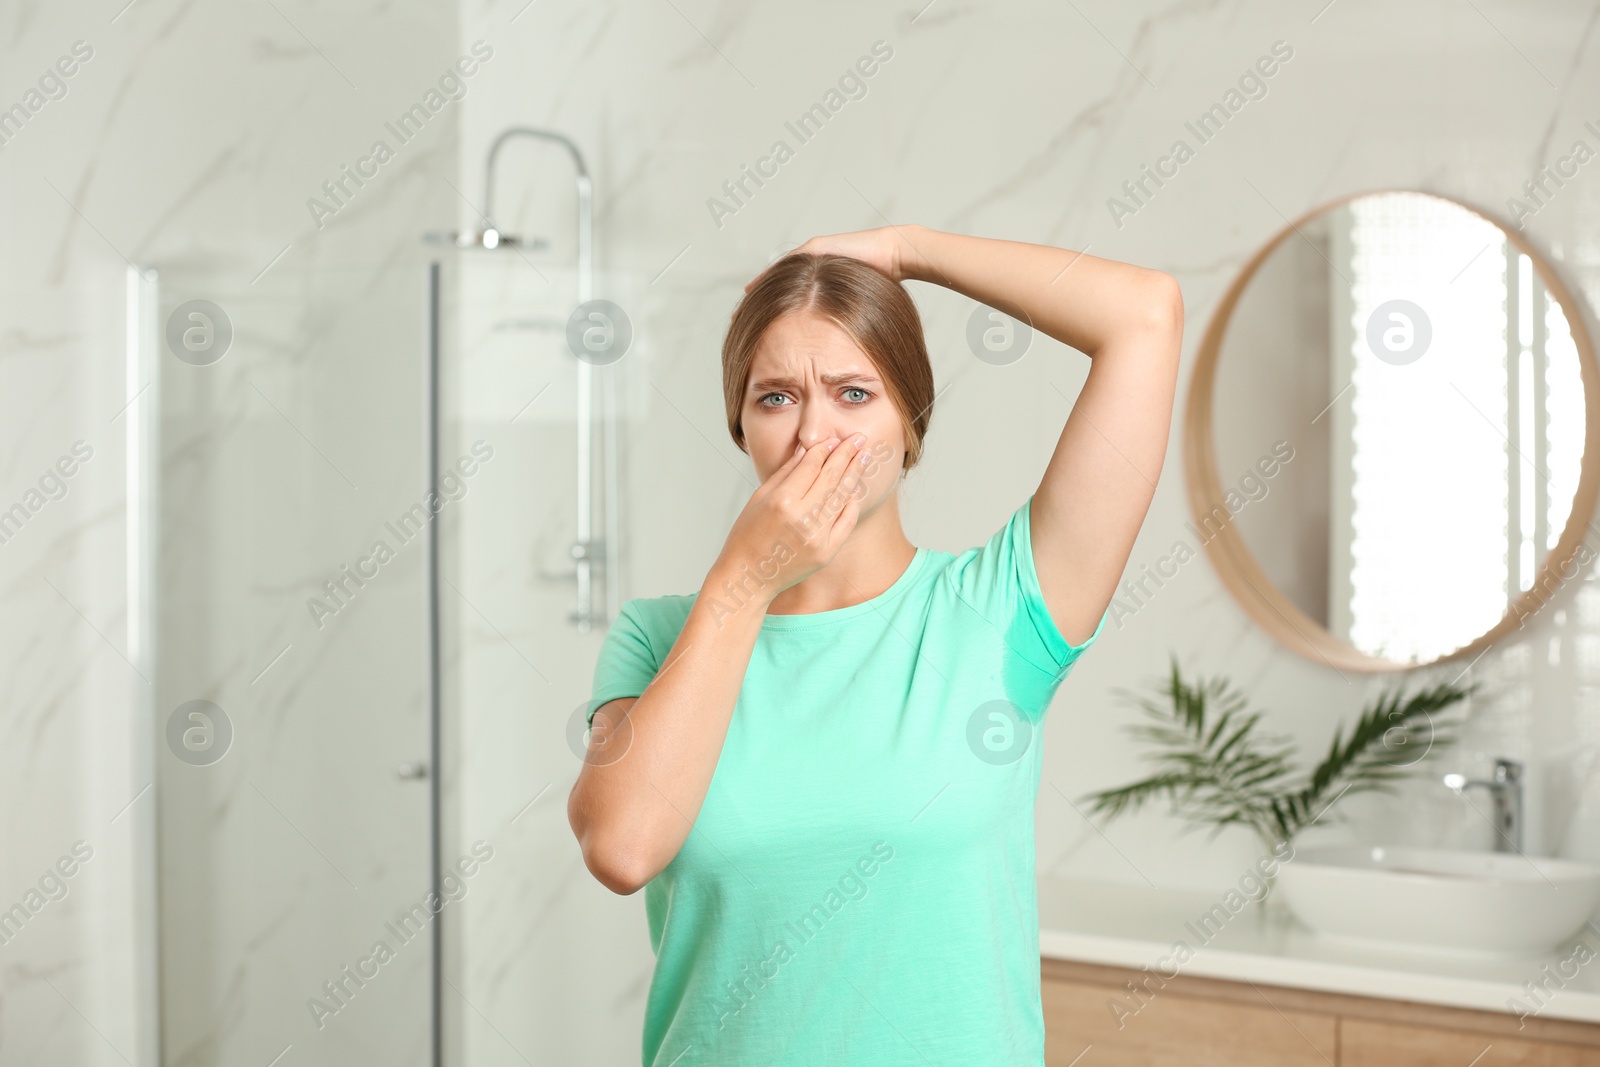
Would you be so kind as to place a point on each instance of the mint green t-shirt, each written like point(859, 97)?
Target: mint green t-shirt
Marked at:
point(858, 888)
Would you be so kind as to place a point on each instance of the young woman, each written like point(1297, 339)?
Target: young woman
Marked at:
point(823, 766)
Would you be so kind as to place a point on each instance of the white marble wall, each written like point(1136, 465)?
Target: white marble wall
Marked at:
point(192, 140)
point(1014, 122)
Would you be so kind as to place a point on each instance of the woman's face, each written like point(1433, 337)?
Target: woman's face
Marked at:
point(808, 382)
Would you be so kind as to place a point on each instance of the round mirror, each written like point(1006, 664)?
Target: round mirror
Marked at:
point(1392, 445)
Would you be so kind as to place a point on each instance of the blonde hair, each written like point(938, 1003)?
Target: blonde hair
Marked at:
point(874, 309)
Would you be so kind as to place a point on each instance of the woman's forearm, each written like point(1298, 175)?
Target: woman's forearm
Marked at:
point(633, 813)
point(1078, 299)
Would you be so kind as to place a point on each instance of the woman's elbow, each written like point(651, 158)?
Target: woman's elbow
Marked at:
point(1164, 304)
point(611, 869)
point(611, 866)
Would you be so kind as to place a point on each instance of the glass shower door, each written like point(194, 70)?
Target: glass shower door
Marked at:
point(293, 688)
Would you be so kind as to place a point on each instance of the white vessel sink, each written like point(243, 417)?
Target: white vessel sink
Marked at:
point(1475, 902)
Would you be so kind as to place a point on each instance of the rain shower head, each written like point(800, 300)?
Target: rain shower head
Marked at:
point(490, 237)
point(487, 238)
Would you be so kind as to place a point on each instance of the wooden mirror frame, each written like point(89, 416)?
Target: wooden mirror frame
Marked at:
point(1243, 577)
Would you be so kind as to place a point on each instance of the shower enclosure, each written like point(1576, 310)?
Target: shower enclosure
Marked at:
point(392, 541)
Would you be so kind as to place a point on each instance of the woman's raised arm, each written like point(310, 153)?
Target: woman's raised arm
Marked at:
point(1100, 480)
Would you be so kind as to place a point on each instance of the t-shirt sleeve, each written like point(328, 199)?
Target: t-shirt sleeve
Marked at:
point(999, 581)
point(627, 662)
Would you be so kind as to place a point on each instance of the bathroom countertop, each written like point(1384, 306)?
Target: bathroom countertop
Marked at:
point(1138, 926)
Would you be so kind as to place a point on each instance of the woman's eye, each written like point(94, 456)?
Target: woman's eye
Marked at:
point(865, 396)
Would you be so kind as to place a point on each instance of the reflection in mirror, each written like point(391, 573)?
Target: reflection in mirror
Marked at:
point(1398, 418)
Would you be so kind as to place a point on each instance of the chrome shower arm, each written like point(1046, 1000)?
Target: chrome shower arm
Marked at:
point(525, 131)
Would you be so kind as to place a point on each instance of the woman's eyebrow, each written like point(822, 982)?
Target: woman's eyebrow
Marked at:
point(786, 382)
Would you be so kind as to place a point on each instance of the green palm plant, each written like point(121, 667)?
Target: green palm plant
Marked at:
point(1215, 767)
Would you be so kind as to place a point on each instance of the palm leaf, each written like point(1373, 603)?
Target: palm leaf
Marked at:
point(1387, 740)
point(1211, 760)
point(1214, 765)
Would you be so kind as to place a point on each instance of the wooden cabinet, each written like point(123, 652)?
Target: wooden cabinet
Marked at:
point(1098, 1016)
point(1178, 1031)
point(1365, 1043)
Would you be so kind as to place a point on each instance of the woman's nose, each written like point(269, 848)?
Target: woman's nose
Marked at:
point(814, 433)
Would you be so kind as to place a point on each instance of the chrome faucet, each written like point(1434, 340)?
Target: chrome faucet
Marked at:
point(1505, 789)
